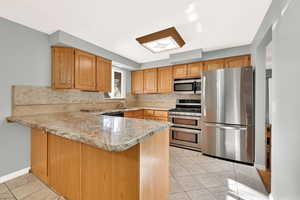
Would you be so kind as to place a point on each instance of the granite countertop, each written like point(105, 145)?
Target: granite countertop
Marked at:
point(104, 132)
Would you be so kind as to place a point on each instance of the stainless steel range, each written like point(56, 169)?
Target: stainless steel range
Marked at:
point(185, 131)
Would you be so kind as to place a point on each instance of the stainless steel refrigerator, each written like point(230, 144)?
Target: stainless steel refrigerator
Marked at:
point(228, 114)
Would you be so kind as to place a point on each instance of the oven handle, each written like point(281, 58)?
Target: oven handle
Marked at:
point(187, 81)
point(184, 117)
point(203, 96)
point(185, 130)
point(228, 127)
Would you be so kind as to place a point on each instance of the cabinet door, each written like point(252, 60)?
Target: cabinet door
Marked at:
point(62, 68)
point(137, 82)
point(85, 71)
point(195, 69)
point(39, 156)
point(164, 80)
point(214, 64)
point(238, 61)
point(103, 74)
point(64, 166)
point(150, 80)
point(180, 71)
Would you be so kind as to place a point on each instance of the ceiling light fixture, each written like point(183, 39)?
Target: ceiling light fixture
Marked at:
point(160, 41)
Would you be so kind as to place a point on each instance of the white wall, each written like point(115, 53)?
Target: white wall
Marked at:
point(258, 51)
point(286, 106)
point(24, 60)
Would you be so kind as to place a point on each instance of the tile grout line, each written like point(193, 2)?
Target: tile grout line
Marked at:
point(10, 191)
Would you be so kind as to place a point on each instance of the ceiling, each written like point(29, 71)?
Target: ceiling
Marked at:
point(114, 24)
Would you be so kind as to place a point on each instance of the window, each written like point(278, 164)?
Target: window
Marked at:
point(117, 85)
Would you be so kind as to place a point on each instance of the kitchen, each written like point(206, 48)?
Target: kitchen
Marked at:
point(195, 111)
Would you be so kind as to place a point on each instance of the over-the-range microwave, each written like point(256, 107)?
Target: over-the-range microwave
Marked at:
point(187, 86)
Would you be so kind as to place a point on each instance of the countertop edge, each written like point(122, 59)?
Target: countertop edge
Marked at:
point(111, 148)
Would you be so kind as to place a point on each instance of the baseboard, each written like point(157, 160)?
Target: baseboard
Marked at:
point(258, 166)
point(14, 175)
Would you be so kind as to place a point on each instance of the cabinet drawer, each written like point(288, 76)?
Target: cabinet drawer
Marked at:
point(161, 118)
point(149, 117)
point(134, 113)
point(148, 112)
point(161, 113)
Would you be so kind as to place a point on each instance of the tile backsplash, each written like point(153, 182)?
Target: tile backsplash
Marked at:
point(162, 100)
point(27, 100)
point(37, 99)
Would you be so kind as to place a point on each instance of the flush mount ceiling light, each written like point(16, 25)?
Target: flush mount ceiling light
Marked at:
point(164, 40)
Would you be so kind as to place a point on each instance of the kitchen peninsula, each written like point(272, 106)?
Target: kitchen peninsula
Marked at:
point(86, 156)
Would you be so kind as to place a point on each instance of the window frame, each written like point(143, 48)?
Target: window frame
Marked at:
point(123, 83)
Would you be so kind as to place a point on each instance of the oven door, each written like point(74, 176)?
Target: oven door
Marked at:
point(184, 137)
point(185, 121)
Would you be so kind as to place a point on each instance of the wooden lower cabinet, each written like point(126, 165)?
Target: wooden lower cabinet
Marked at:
point(64, 166)
point(81, 172)
point(139, 114)
point(160, 115)
point(39, 154)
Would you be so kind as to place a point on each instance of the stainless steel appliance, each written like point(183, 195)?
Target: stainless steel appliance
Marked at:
point(187, 86)
point(185, 131)
point(227, 114)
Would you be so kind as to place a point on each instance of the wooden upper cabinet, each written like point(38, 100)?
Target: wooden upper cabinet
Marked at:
point(180, 71)
point(85, 70)
point(150, 80)
point(214, 64)
point(164, 80)
point(104, 70)
point(238, 61)
point(62, 68)
point(195, 69)
point(137, 82)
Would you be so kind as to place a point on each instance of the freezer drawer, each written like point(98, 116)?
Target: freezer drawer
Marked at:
point(228, 141)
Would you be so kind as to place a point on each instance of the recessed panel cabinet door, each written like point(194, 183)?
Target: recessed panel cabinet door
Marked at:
point(85, 71)
point(150, 80)
point(64, 166)
point(195, 69)
point(164, 80)
point(39, 156)
point(180, 71)
point(62, 68)
point(238, 61)
point(214, 64)
point(137, 82)
point(104, 74)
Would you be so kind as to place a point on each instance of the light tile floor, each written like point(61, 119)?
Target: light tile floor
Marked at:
point(193, 177)
point(26, 187)
point(198, 177)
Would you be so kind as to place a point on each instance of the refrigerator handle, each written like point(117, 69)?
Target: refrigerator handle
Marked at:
point(228, 127)
point(203, 96)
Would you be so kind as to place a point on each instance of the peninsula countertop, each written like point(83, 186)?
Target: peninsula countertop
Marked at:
point(104, 132)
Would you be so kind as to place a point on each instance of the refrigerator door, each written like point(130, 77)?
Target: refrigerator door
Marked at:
point(227, 96)
point(228, 141)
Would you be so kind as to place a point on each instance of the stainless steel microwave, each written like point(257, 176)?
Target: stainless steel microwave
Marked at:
point(187, 86)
